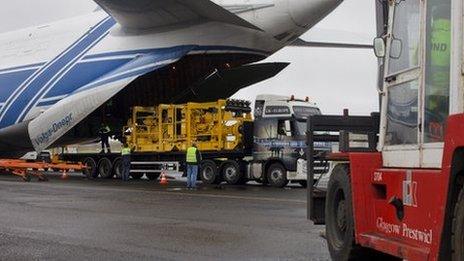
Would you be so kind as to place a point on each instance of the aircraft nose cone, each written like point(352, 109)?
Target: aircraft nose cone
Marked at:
point(306, 13)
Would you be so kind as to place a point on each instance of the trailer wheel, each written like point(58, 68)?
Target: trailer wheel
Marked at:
point(340, 220)
point(209, 173)
point(458, 229)
point(277, 175)
point(230, 171)
point(105, 168)
point(91, 168)
point(117, 168)
point(153, 176)
point(136, 176)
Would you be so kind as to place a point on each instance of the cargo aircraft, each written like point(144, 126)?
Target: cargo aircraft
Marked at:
point(59, 81)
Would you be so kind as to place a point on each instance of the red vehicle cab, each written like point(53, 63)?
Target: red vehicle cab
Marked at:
point(406, 198)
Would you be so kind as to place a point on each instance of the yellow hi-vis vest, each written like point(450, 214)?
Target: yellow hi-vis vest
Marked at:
point(440, 56)
point(125, 151)
point(192, 155)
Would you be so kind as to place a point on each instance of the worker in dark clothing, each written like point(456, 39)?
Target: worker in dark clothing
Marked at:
point(104, 136)
point(126, 161)
point(193, 158)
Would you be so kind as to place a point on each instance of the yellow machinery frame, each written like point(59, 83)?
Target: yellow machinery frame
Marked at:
point(166, 128)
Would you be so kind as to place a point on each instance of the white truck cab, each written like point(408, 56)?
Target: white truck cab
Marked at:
point(279, 149)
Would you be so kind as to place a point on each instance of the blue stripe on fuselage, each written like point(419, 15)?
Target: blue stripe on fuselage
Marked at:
point(82, 74)
point(65, 63)
point(21, 68)
point(86, 71)
point(10, 81)
point(39, 83)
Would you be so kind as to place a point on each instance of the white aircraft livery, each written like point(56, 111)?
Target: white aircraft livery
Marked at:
point(59, 81)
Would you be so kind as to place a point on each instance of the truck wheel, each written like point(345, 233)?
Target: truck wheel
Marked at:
point(105, 168)
point(231, 173)
point(209, 172)
point(117, 168)
point(153, 176)
point(136, 175)
point(91, 165)
point(458, 229)
point(277, 175)
point(340, 220)
point(303, 183)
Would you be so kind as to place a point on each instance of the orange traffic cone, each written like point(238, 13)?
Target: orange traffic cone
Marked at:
point(163, 180)
point(64, 175)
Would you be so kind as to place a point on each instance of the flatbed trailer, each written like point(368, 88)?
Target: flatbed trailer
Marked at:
point(108, 165)
point(26, 169)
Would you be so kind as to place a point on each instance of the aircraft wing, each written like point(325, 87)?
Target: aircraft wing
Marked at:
point(302, 43)
point(334, 38)
point(229, 81)
point(145, 14)
point(67, 113)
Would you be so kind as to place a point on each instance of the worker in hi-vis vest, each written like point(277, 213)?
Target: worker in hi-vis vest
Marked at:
point(438, 81)
point(126, 161)
point(193, 158)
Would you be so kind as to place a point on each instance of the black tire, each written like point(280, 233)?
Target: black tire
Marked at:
point(340, 221)
point(153, 176)
point(209, 173)
point(457, 237)
point(230, 172)
point(117, 168)
point(277, 175)
point(91, 168)
point(136, 176)
point(105, 168)
point(303, 183)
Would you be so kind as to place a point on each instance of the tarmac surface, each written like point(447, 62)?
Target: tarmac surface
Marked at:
point(79, 219)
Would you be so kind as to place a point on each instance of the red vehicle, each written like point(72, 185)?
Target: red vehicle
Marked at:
point(406, 198)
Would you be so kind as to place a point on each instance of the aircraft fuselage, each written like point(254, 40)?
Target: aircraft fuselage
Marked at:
point(40, 66)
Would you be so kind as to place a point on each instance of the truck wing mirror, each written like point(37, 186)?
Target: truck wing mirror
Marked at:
point(396, 49)
point(379, 47)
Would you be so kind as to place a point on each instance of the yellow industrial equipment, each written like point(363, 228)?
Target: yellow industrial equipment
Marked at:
point(212, 126)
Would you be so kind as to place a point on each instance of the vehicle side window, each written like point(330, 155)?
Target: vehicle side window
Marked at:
point(438, 60)
point(402, 114)
point(265, 128)
point(285, 128)
point(404, 50)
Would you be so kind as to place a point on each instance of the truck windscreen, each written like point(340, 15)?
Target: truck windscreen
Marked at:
point(303, 112)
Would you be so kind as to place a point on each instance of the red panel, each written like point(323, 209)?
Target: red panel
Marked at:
point(417, 236)
point(418, 233)
point(424, 193)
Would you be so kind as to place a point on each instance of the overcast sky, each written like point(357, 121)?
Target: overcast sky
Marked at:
point(333, 78)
